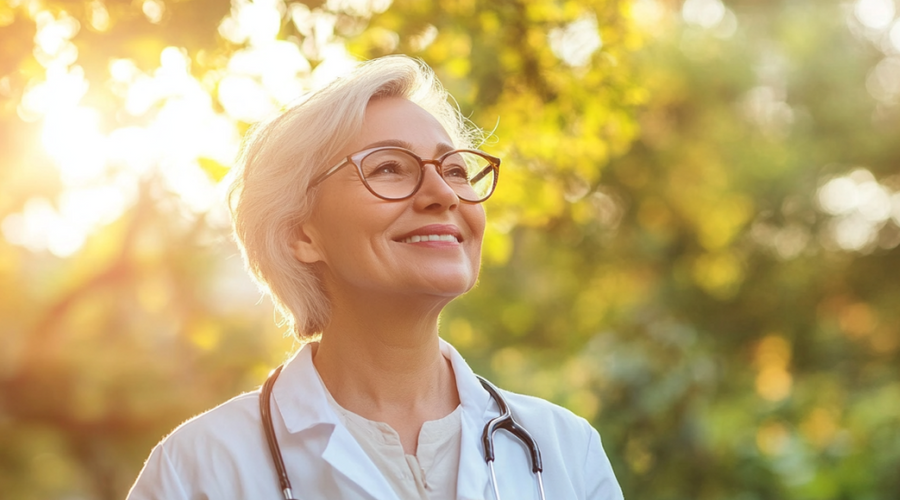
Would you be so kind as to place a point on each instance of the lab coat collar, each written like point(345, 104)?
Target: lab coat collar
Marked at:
point(300, 398)
point(300, 394)
point(472, 481)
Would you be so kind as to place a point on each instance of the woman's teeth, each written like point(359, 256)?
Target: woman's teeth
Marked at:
point(431, 237)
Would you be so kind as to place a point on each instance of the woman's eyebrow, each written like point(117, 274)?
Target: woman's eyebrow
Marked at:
point(442, 148)
point(439, 148)
point(390, 142)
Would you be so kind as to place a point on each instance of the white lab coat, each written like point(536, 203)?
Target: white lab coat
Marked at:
point(222, 454)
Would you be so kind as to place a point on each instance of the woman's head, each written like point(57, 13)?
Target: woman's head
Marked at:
point(271, 201)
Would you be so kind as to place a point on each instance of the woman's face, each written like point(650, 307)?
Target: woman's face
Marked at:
point(366, 244)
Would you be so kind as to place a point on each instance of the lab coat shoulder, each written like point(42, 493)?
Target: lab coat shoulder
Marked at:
point(570, 446)
point(206, 456)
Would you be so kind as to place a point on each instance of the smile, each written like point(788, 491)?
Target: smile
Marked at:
point(431, 237)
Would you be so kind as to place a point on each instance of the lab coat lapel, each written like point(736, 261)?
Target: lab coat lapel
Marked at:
point(302, 402)
point(473, 480)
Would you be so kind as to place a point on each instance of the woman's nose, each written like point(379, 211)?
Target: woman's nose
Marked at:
point(434, 190)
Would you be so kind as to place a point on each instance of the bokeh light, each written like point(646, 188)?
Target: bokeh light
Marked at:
point(875, 14)
point(576, 42)
point(182, 127)
point(860, 205)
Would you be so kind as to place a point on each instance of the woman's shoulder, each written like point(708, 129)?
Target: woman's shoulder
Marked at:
point(570, 446)
point(208, 456)
point(224, 425)
point(526, 407)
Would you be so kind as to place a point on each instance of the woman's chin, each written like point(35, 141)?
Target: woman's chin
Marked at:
point(449, 285)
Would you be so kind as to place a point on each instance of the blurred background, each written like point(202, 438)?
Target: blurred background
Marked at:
point(694, 242)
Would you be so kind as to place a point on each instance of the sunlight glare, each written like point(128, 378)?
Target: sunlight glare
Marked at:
point(29, 228)
point(90, 207)
point(133, 148)
point(875, 14)
point(153, 10)
point(53, 34)
point(336, 62)
point(301, 17)
point(123, 70)
point(858, 192)
point(860, 205)
point(895, 35)
point(61, 89)
point(219, 139)
point(278, 64)
point(101, 169)
point(727, 27)
point(575, 43)
point(177, 125)
point(360, 8)
point(895, 208)
point(72, 138)
point(853, 232)
point(703, 13)
point(255, 22)
point(647, 13)
point(39, 227)
point(190, 182)
point(99, 16)
point(142, 94)
point(883, 82)
point(838, 196)
point(245, 99)
point(422, 40)
point(174, 69)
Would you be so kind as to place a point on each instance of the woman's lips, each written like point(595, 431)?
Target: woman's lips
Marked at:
point(430, 237)
point(432, 232)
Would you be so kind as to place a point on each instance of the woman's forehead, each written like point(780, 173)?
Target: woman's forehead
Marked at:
point(405, 123)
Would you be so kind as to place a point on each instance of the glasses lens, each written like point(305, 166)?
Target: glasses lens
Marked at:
point(391, 173)
point(470, 175)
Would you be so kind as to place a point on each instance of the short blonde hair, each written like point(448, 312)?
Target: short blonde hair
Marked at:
point(270, 196)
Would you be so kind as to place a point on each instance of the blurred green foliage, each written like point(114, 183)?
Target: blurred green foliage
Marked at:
point(661, 257)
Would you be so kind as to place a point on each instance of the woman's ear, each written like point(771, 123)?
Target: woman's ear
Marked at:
point(305, 248)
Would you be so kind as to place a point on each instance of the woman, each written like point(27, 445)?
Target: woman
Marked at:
point(359, 212)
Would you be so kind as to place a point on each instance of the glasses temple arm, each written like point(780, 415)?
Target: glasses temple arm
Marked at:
point(324, 175)
point(480, 175)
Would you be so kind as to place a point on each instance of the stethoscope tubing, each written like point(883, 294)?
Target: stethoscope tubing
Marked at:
point(505, 421)
point(265, 411)
point(508, 422)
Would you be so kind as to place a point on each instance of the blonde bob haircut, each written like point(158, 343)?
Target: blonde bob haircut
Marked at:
point(270, 196)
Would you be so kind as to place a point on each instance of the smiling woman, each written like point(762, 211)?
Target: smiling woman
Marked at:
point(359, 211)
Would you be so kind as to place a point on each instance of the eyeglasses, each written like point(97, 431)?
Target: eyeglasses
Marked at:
point(393, 173)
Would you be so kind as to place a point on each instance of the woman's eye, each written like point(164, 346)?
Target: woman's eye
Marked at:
point(385, 168)
point(455, 171)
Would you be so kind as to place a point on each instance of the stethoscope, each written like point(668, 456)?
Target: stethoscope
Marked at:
point(504, 421)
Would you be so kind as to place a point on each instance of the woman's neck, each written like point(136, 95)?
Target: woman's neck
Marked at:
point(388, 367)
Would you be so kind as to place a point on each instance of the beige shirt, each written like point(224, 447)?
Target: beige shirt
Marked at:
point(431, 473)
